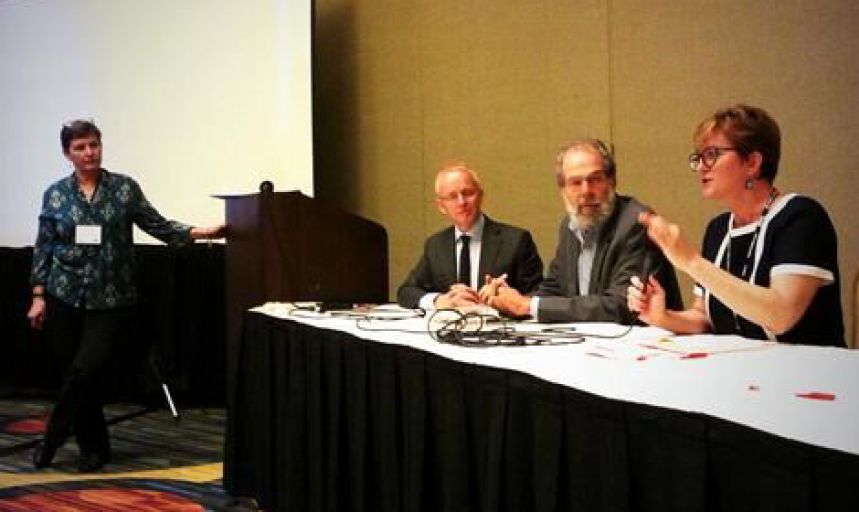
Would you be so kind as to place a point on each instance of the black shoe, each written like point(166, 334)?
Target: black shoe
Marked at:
point(43, 455)
point(89, 462)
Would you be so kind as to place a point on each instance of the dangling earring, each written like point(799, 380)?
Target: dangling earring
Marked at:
point(749, 183)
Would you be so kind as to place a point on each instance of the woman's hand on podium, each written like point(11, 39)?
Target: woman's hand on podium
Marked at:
point(208, 232)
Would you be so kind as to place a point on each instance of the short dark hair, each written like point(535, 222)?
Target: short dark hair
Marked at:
point(748, 129)
point(593, 145)
point(77, 129)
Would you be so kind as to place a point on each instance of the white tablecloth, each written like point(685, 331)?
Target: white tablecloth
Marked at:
point(760, 387)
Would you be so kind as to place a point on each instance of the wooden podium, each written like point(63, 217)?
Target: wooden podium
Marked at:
point(285, 246)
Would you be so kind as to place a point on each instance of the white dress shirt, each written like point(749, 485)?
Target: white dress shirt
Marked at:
point(474, 246)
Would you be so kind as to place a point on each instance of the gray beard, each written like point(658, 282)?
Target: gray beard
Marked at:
point(586, 222)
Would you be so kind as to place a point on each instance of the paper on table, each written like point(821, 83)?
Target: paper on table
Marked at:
point(391, 312)
point(707, 344)
point(285, 309)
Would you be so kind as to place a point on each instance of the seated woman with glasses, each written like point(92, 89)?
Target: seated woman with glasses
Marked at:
point(769, 265)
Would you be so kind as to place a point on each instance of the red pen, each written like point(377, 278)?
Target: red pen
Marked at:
point(694, 355)
point(817, 395)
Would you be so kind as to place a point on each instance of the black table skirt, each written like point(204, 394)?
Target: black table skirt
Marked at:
point(325, 421)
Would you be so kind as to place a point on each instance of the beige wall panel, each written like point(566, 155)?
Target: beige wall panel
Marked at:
point(390, 123)
point(401, 90)
point(504, 84)
point(567, 101)
point(481, 67)
point(367, 53)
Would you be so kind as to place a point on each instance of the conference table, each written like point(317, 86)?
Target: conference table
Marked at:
point(377, 411)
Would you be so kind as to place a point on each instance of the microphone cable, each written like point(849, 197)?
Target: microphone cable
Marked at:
point(471, 330)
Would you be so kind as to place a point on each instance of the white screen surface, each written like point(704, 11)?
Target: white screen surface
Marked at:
point(193, 98)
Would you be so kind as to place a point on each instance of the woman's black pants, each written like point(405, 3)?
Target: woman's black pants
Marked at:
point(84, 343)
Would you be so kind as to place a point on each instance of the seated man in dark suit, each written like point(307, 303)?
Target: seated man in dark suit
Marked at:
point(600, 246)
point(456, 259)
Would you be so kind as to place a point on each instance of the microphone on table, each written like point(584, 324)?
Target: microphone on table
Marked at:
point(646, 266)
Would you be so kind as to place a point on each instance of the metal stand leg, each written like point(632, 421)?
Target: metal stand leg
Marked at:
point(164, 388)
point(173, 410)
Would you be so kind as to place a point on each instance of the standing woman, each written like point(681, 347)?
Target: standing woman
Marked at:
point(769, 265)
point(83, 284)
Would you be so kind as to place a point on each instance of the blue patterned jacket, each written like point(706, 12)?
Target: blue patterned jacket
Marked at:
point(96, 276)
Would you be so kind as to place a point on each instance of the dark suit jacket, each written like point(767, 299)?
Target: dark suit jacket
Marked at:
point(504, 249)
point(621, 246)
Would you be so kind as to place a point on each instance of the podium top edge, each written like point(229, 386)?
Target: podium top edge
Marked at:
point(256, 194)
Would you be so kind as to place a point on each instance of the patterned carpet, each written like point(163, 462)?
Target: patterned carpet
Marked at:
point(158, 463)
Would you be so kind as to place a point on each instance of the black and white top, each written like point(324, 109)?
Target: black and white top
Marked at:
point(796, 237)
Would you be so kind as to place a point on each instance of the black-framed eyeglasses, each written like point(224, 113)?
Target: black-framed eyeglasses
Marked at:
point(708, 156)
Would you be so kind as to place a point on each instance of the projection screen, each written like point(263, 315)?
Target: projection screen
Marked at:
point(194, 98)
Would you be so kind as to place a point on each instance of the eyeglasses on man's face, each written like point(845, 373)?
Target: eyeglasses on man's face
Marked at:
point(593, 180)
point(466, 194)
point(707, 156)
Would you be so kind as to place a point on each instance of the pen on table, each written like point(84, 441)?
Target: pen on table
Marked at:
point(694, 355)
point(596, 354)
point(817, 395)
point(495, 283)
point(502, 277)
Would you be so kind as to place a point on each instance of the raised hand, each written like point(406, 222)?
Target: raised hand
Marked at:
point(667, 236)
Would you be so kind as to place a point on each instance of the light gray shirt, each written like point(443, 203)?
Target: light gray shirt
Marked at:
point(585, 264)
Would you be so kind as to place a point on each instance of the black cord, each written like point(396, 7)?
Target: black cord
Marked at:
point(469, 330)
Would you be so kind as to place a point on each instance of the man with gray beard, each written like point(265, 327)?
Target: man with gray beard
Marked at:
point(601, 246)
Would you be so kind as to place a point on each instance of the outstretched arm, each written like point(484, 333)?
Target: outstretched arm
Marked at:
point(209, 232)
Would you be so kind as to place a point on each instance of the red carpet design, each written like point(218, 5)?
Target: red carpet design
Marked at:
point(86, 500)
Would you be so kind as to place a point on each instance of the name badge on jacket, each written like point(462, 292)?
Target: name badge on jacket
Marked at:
point(87, 234)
